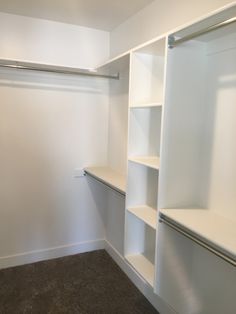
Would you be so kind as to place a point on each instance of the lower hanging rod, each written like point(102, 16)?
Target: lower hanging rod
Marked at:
point(199, 241)
point(172, 42)
point(20, 65)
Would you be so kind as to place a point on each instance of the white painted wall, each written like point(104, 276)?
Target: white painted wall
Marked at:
point(50, 125)
point(37, 40)
point(157, 18)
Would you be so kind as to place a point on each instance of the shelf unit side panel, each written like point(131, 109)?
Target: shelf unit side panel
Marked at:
point(142, 186)
point(183, 127)
point(118, 121)
point(219, 145)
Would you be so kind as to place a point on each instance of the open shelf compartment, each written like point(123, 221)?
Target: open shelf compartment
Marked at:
point(144, 132)
point(148, 74)
point(140, 247)
point(142, 186)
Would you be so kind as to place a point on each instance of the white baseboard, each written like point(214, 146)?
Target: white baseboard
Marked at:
point(50, 253)
point(139, 282)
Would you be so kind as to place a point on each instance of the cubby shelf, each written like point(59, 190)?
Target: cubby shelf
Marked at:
point(213, 228)
point(109, 177)
point(143, 266)
point(146, 105)
point(146, 214)
point(149, 161)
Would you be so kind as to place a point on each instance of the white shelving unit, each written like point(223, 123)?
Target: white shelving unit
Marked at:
point(145, 117)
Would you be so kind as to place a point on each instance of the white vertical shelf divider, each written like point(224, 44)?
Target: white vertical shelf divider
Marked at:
point(147, 75)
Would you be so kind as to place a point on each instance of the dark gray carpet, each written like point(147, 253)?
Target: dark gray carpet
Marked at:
point(89, 283)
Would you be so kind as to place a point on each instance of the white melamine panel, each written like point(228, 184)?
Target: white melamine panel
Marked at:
point(142, 186)
point(144, 132)
point(219, 145)
point(115, 221)
point(143, 266)
point(147, 78)
point(149, 161)
point(147, 105)
point(118, 116)
point(198, 142)
point(191, 279)
point(183, 127)
point(109, 177)
point(145, 213)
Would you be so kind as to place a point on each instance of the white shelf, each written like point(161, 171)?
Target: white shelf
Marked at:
point(143, 266)
point(146, 105)
point(109, 177)
point(146, 214)
point(215, 229)
point(149, 161)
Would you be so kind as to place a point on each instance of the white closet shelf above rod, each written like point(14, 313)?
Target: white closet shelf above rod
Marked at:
point(192, 236)
point(172, 42)
point(20, 65)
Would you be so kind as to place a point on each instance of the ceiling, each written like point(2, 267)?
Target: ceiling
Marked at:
point(100, 14)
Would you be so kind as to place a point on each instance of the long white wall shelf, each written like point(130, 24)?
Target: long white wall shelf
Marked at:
point(109, 177)
point(143, 266)
point(149, 161)
point(147, 105)
point(216, 230)
point(146, 214)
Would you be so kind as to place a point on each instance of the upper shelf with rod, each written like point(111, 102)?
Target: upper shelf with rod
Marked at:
point(204, 30)
point(20, 65)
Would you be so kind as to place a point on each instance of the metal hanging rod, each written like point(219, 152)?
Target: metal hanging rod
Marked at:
point(12, 64)
point(189, 235)
point(172, 42)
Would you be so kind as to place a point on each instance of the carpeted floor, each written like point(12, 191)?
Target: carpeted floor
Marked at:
point(89, 283)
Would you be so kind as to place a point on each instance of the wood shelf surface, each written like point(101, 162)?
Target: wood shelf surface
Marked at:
point(149, 161)
point(208, 225)
point(143, 266)
point(109, 177)
point(146, 105)
point(146, 214)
